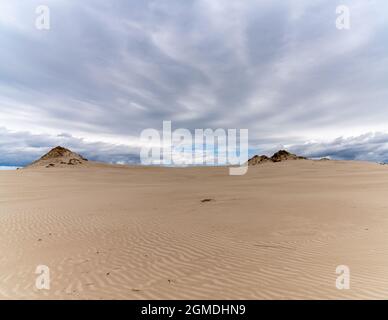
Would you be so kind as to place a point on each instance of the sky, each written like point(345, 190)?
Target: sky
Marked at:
point(106, 70)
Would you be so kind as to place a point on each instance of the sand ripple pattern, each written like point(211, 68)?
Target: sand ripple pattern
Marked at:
point(126, 235)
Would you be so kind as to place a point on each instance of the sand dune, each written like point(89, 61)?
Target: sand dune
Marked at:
point(145, 233)
point(59, 157)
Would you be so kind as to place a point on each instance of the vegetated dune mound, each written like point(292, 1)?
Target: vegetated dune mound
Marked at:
point(281, 155)
point(258, 160)
point(59, 157)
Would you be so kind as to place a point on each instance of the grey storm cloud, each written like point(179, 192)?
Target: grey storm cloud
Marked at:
point(21, 148)
point(369, 146)
point(108, 69)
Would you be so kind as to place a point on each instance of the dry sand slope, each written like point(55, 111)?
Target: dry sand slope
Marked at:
point(144, 233)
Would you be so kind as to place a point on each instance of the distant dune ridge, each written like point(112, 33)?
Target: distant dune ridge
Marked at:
point(281, 155)
point(62, 157)
point(59, 157)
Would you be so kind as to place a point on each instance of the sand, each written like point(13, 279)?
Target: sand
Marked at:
point(279, 232)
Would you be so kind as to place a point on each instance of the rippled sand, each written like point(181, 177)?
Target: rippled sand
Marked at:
point(278, 232)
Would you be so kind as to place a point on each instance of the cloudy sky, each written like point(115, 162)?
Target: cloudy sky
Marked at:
point(106, 70)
